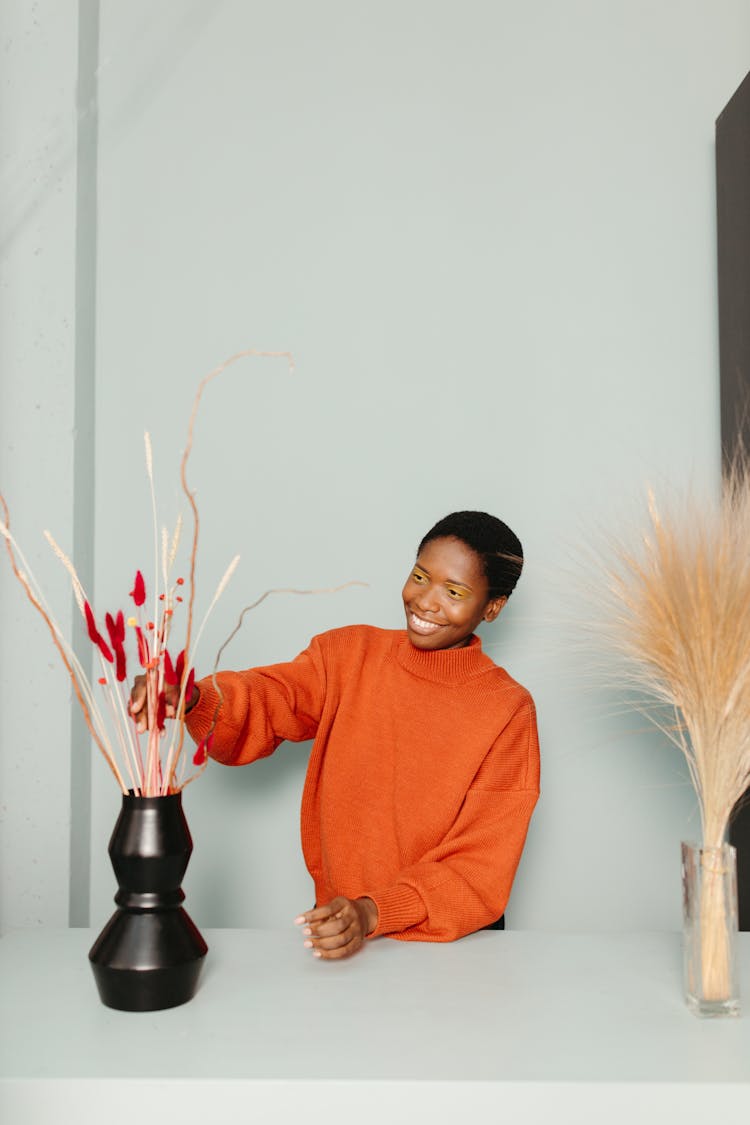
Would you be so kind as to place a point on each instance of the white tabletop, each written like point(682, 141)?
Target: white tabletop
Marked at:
point(527, 1023)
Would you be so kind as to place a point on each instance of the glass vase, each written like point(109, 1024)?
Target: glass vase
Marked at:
point(709, 906)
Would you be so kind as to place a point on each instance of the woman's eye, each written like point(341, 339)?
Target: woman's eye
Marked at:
point(418, 577)
point(454, 594)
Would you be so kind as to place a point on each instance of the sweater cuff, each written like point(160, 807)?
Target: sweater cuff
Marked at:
point(199, 718)
point(399, 908)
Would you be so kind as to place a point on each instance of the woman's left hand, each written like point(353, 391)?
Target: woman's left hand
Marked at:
point(339, 928)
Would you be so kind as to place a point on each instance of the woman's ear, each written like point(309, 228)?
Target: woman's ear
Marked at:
point(493, 608)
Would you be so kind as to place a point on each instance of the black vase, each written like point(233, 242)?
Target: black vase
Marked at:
point(150, 953)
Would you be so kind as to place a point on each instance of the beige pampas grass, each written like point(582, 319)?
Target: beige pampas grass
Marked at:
point(676, 609)
point(678, 612)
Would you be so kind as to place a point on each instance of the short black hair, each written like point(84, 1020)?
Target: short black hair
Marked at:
point(497, 546)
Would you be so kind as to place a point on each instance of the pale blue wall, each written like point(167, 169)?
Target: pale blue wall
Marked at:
point(38, 154)
point(486, 232)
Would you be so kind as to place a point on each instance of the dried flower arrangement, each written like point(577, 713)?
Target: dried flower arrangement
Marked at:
point(159, 767)
point(676, 608)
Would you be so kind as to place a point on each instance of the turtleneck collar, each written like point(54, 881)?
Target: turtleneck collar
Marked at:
point(442, 665)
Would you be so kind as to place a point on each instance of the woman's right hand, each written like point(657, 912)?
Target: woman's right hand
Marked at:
point(138, 704)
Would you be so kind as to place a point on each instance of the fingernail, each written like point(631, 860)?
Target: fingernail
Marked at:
point(307, 944)
point(317, 953)
point(299, 919)
point(307, 931)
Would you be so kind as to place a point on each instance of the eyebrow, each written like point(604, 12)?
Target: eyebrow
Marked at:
point(448, 581)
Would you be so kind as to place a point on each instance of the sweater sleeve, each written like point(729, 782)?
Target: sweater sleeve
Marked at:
point(464, 882)
point(258, 709)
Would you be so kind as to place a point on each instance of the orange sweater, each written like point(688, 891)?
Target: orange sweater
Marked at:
point(422, 779)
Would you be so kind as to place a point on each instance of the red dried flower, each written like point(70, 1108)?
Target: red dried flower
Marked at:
point(143, 653)
point(95, 635)
point(161, 710)
point(138, 593)
point(115, 628)
point(204, 748)
point(91, 623)
point(102, 679)
point(170, 676)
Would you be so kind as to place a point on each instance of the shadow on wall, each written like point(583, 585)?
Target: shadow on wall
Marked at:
point(143, 59)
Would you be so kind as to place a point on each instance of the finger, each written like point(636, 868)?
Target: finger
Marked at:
point(340, 952)
point(311, 917)
point(329, 927)
point(141, 718)
point(319, 913)
point(340, 944)
point(137, 695)
point(338, 940)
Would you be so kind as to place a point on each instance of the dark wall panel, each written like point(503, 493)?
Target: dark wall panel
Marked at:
point(733, 235)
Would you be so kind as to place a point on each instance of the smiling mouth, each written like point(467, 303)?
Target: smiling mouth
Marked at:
point(419, 625)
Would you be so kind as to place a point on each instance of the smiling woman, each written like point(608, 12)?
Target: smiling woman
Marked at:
point(424, 770)
point(466, 569)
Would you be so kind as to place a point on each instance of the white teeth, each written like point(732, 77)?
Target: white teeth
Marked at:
point(421, 626)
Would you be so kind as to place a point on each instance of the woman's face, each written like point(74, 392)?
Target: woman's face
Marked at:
point(446, 596)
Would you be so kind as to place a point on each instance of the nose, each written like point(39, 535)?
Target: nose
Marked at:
point(427, 601)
